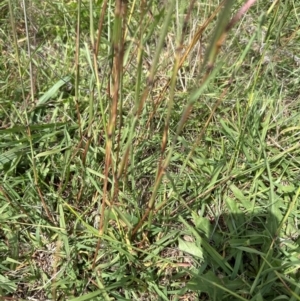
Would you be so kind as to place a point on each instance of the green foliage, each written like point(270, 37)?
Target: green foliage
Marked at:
point(149, 150)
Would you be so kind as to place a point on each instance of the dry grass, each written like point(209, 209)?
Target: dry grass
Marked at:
point(174, 177)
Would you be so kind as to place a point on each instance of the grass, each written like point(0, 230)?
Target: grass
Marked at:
point(149, 150)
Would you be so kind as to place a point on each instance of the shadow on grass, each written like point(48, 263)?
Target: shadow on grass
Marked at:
point(245, 257)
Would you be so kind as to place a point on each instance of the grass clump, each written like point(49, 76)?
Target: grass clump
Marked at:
point(149, 150)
